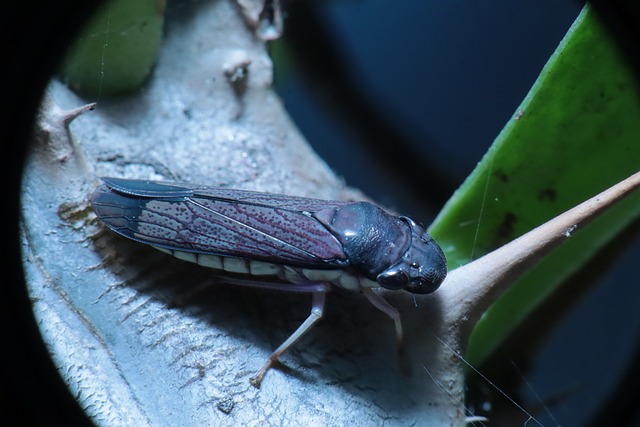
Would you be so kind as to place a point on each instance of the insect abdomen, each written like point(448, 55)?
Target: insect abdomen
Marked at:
point(261, 269)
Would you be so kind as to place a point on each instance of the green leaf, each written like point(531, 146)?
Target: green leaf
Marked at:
point(117, 49)
point(576, 133)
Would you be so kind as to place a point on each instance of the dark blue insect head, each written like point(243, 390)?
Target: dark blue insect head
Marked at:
point(421, 269)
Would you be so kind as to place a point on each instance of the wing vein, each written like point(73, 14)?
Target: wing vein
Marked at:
point(268, 236)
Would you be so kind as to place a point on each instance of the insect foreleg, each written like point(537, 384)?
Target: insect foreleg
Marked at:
point(381, 304)
point(317, 309)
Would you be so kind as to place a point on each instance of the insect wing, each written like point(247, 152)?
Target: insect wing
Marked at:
point(165, 190)
point(275, 201)
point(262, 226)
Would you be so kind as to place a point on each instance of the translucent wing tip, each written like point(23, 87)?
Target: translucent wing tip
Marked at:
point(144, 188)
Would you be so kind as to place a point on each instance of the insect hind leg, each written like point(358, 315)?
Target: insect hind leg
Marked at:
point(317, 310)
point(381, 304)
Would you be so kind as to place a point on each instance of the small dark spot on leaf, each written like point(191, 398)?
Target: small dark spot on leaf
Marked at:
point(505, 229)
point(547, 194)
point(226, 405)
point(501, 176)
point(202, 371)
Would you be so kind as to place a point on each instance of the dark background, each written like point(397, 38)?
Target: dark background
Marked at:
point(415, 91)
point(373, 81)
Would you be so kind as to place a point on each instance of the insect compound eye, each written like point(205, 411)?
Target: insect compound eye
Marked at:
point(393, 279)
